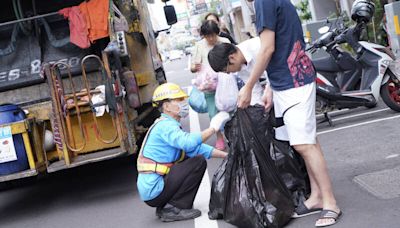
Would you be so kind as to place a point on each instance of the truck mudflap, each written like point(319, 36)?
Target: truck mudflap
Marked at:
point(22, 58)
point(20, 63)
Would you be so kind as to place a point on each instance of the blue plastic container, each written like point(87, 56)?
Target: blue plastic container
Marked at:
point(10, 113)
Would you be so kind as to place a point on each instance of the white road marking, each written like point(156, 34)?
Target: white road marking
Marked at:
point(203, 195)
point(361, 114)
point(392, 156)
point(359, 124)
point(189, 62)
point(334, 112)
point(343, 111)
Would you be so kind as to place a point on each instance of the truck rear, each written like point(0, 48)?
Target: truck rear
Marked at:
point(63, 104)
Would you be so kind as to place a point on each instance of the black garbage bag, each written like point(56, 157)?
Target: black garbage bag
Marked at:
point(292, 170)
point(259, 183)
point(218, 192)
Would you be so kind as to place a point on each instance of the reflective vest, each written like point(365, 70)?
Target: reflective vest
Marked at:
point(147, 165)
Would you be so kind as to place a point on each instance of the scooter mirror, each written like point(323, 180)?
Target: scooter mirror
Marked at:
point(323, 30)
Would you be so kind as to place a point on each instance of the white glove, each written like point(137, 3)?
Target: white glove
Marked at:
point(218, 121)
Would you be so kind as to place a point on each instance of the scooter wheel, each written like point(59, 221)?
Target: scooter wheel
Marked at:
point(390, 93)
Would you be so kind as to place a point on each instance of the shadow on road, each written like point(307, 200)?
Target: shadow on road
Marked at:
point(88, 184)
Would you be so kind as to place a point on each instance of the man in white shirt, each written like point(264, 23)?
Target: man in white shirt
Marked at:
point(240, 59)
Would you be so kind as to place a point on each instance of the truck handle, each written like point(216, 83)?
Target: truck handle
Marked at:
point(106, 79)
point(63, 106)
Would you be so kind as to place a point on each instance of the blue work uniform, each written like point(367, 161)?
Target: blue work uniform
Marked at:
point(164, 145)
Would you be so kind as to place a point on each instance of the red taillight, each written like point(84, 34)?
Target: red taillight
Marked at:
point(132, 89)
point(320, 82)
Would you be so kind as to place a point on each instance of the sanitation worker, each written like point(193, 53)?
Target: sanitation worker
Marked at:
point(172, 162)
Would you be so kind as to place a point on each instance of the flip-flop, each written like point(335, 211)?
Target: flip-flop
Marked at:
point(329, 214)
point(302, 211)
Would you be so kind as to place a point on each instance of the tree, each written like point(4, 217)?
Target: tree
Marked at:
point(304, 10)
point(376, 27)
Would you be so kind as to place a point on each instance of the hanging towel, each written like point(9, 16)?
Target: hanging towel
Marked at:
point(96, 14)
point(77, 26)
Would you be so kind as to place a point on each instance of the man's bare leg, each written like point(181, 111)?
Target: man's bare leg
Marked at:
point(315, 199)
point(316, 166)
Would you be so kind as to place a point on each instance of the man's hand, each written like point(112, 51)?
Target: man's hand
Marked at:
point(244, 97)
point(267, 98)
point(197, 67)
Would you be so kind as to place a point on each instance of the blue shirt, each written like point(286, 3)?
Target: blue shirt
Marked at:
point(164, 145)
point(289, 67)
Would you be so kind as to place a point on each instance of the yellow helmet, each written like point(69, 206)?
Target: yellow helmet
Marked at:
point(168, 91)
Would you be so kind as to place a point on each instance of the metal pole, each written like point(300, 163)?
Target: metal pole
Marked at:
point(373, 28)
point(28, 18)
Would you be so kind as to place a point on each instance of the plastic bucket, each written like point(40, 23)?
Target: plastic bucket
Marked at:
point(10, 113)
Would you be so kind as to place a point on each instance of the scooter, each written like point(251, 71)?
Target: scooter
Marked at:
point(349, 81)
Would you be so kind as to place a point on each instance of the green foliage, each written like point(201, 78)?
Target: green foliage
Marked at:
point(378, 22)
point(304, 10)
point(214, 5)
point(378, 35)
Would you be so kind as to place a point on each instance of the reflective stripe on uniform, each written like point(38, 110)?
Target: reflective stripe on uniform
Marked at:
point(147, 165)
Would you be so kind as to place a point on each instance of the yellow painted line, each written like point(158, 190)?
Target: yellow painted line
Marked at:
point(396, 24)
point(66, 155)
point(308, 34)
point(28, 150)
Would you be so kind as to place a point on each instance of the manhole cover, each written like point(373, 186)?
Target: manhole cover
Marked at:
point(383, 184)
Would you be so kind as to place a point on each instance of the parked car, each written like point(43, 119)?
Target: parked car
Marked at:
point(175, 54)
point(189, 50)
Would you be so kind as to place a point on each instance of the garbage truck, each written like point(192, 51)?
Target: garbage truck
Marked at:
point(76, 82)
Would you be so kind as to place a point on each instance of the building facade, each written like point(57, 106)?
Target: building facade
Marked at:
point(240, 14)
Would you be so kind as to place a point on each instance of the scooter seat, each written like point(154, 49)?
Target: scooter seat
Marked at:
point(358, 92)
point(327, 64)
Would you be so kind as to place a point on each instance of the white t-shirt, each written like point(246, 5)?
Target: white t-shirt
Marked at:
point(249, 49)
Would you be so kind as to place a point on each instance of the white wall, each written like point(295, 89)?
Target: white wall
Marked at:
point(321, 9)
point(346, 5)
point(247, 11)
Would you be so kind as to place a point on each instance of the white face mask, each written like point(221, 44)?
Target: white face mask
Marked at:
point(183, 109)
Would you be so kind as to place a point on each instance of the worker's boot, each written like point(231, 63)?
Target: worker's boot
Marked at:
point(170, 213)
point(158, 212)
